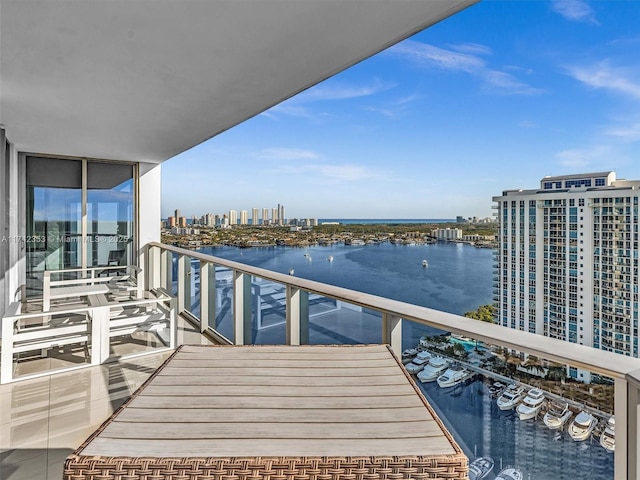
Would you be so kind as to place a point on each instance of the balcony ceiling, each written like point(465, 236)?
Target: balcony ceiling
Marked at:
point(145, 80)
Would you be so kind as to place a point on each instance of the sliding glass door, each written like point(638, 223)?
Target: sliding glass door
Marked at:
point(79, 213)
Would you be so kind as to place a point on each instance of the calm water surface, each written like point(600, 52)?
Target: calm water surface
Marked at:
point(458, 279)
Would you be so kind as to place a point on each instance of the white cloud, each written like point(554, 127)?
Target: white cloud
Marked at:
point(472, 48)
point(603, 75)
point(583, 157)
point(333, 173)
point(575, 11)
point(467, 61)
point(630, 133)
point(287, 154)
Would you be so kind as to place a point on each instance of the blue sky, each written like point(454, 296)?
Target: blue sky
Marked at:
point(493, 98)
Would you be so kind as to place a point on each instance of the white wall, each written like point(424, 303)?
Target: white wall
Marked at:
point(149, 212)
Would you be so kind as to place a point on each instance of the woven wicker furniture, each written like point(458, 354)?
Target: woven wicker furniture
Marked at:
point(275, 413)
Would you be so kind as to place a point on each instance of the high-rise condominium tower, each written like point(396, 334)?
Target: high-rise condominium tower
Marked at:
point(254, 216)
point(233, 217)
point(244, 217)
point(265, 216)
point(567, 262)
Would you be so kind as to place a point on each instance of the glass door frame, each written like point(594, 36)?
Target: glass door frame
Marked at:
point(84, 226)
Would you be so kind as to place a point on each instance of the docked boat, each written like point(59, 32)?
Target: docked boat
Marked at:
point(510, 473)
point(453, 376)
point(418, 363)
point(408, 354)
point(582, 426)
point(433, 369)
point(511, 397)
point(496, 388)
point(557, 415)
point(425, 263)
point(480, 468)
point(608, 435)
point(531, 405)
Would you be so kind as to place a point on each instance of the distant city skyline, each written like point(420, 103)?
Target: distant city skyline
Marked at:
point(493, 98)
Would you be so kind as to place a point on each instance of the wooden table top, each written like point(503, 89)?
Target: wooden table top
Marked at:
point(276, 401)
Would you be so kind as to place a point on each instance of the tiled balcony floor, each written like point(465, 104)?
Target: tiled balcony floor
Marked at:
point(43, 420)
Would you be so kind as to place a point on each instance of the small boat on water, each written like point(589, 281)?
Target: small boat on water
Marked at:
point(418, 363)
point(425, 263)
point(433, 369)
point(292, 271)
point(510, 473)
point(511, 397)
point(557, 415)
point(306, 254)
point(330, 258)
point(531, 404)
point(453, 376)
point(608, 436)
point(480, 468)
point(582, 426)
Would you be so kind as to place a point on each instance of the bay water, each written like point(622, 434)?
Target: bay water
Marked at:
point(458, 279)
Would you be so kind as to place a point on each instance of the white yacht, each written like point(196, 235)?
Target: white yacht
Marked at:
point(510, 473)
point(531, 405)
point(408, 354)
point(418, 363)
point(330, 258)
point(425, 263)
point(453, 376)
point(557, 415)
point(608, 436)
point(433, 369)
point(582, 426)
point(511, 397)
point(480, 468)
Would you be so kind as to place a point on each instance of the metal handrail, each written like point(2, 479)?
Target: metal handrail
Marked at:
point(597, 361)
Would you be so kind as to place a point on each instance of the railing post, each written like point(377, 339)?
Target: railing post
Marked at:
point(627, 401)
point(166, 270)
point(184, 283)
point(241, 308)
point(153, 268)
point(207, 295)
point(392, 332)
point(297, 316)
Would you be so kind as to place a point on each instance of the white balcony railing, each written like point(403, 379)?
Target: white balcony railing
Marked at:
point(158, 262)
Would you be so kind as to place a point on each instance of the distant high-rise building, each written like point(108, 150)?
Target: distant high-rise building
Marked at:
point(568, 261)
point(171, 221)
point(265, 216)
point(182, 222)
point(254, 216)
point(281, 217)
point(233, 217)
point(177, 216)
point(274, 216)
point(244, 217)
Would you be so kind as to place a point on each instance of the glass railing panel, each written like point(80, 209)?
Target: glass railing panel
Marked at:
point(269, 308)
point(174, 273)
point(222, 320)
point(194, 279)
point(337, 322)
point(468, 394)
